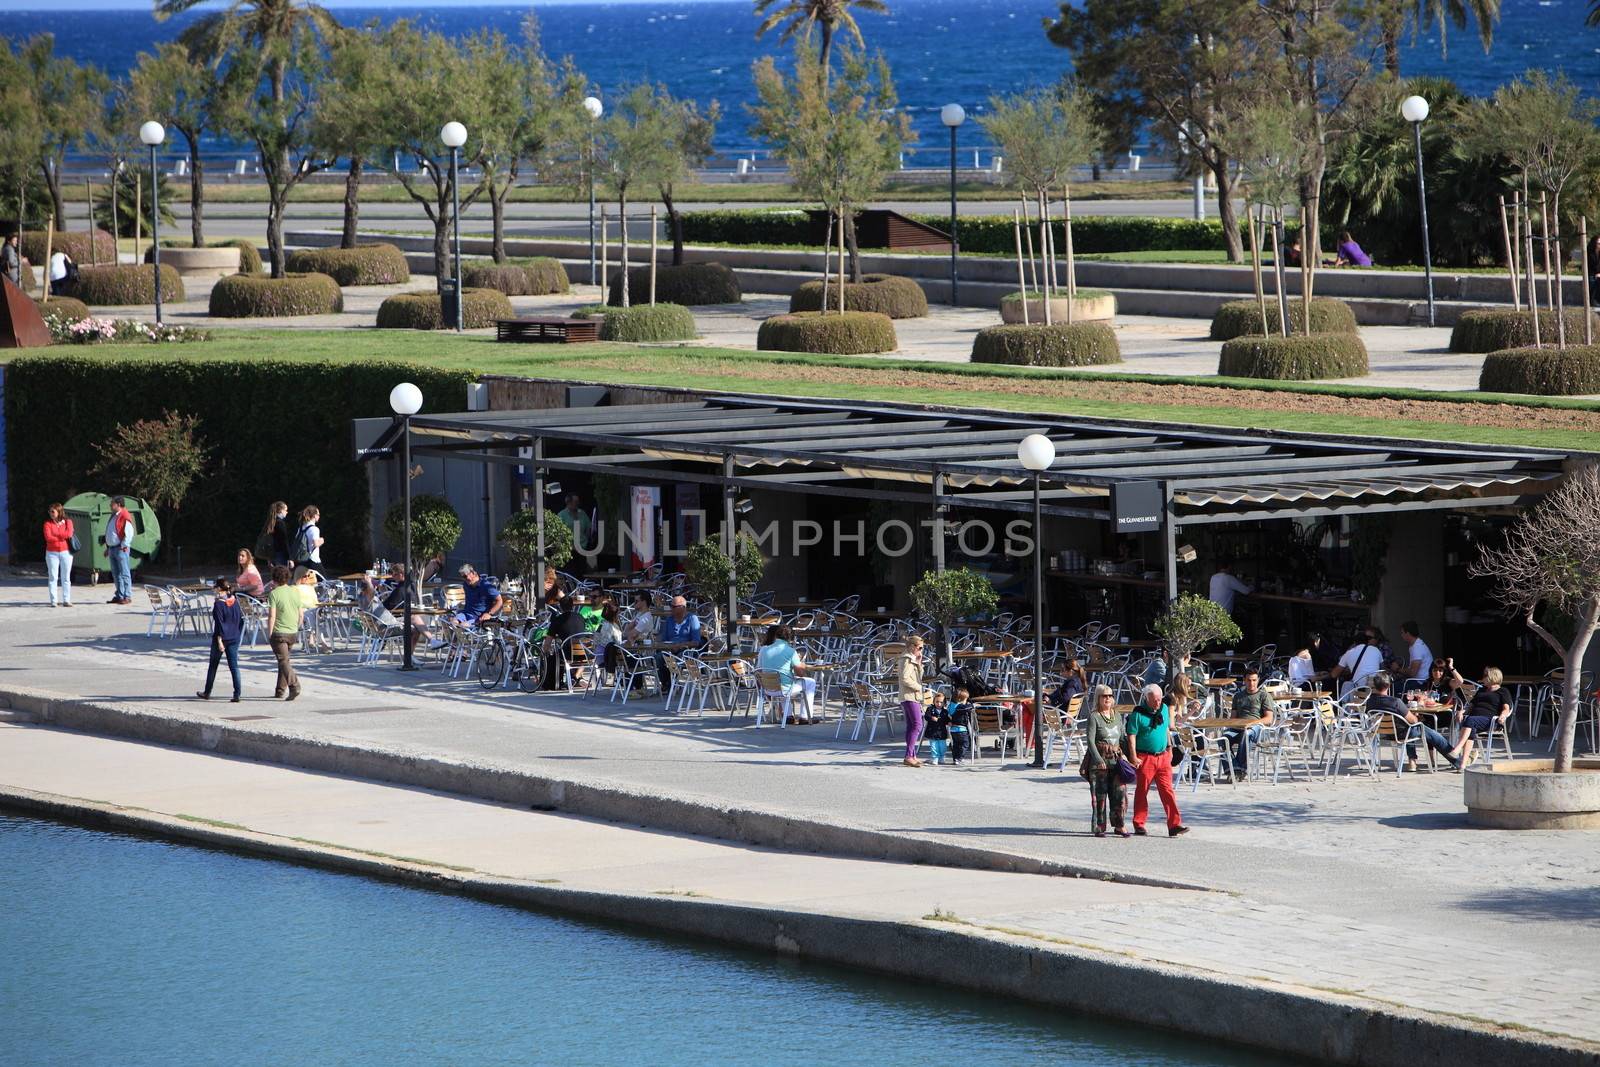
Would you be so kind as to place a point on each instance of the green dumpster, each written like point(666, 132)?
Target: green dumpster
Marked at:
point(90, 512)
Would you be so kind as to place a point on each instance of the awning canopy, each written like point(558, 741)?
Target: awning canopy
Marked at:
point(882, 451)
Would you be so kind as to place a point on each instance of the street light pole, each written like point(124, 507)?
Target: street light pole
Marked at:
point(405, 400)
point(153, 133)
point(595, 108)
point(454, 135)
point(953, 115)
point(1036, 453)
point(1414, 109)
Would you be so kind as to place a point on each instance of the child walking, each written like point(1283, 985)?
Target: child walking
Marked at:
point(936, 727)
point(960, 716)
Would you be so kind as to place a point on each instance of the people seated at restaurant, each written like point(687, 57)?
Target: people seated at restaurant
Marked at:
point(1490, 706)
point(1385, 702)
point(394, 602)
point(1182, 699)
point(367, 600)
point(1255, 704)
point(1443, 682)
point(566, 623)
point(1360, 662)
point(1418, 657)
point(1074, 682)
point(607, 636)
point(1323, 654)
point(778, 655)
point(1303, 672)
point(681, 627)
point(248, 579)
point(483, 600)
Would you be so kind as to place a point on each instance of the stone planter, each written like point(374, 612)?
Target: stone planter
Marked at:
point(1084, 309)
point(1528, 795)
point(201, 262)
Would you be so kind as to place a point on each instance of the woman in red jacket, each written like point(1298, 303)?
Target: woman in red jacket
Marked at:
point(58, 555)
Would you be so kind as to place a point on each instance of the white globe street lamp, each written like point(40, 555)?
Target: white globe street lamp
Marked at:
point(405, 400)
point(1036, 453)
point(454, 135)
point(595, 108)
point(153, 133)
point(1414, 109)
point(953, 115)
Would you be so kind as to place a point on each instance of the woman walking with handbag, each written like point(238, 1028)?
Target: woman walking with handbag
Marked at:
point(59, 544)
point(1102, 762)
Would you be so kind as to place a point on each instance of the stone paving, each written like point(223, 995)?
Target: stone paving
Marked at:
point(1354, 883)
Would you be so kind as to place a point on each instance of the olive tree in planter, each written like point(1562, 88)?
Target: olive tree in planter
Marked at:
point(1551, 558)
point(520, 535)
point(1189, 624)
point(435, 528)
point(712, 572)
point(946, 597)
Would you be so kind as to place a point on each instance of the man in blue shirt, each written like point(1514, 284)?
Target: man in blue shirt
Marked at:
point(483, 599)
point(680, 628)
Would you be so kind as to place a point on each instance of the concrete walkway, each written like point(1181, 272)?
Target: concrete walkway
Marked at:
point(1371, 886)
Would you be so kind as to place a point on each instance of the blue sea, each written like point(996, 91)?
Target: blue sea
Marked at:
point(940, 50)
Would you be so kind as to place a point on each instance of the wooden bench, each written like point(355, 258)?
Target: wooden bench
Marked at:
point(550, 330)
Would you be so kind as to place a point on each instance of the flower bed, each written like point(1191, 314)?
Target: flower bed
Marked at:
point(93, 331)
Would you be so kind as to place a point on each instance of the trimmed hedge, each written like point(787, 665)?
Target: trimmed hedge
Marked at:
point(374, 264)
point(1242, 318)
point(63, 307)
point(898, 298)
point(1573, 371)
point(256, 296)
point(126, 284)
point(74, 243)
point(642, 322)
point(1495, 329)
point(853, 333)
point(249, 254)
point(1297, 358)
point(1082, 344)
point(60, 408)
point(691, 285)
point(547, 275)
point(540, 276)
point(420, 310)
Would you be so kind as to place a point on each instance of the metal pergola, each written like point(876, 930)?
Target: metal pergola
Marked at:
point(944, 459)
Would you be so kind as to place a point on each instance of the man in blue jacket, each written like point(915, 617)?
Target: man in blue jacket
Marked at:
point(227, 624)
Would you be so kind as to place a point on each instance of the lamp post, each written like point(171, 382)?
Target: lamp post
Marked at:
point(1414, 110)
point(1036, 453)
point(406, 400)
point(953, 115)
point(595, 108)
point(153, 133)
point(454, 135)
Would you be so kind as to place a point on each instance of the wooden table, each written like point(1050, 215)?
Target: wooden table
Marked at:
point(982, 653)
point(547, 330)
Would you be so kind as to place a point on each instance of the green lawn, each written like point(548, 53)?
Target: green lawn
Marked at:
point(965, 386)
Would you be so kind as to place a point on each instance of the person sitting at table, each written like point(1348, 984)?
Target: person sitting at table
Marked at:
point(1490, 705)
point(394, 602)
point(310, 606)
point(1443, 682)
point(367, 600)
point(248, 579)
point(566, 623)
point(682, 627)
point(1382, 701)
point(1303, 670)
point(961, 725)
point(483, 600)
point(1255, 704)
point(1418, 656)
point(1074, 682)
point(607, 636)
point(779, 656)
point(1181, 698)
point(1360, 662)
point(641, 629)
point(1323, 656)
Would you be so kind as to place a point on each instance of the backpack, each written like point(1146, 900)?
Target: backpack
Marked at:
point(973, 682)
point(302, 543)
point(72, 271)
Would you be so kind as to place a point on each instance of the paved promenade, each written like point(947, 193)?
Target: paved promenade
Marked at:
point(1374, 888)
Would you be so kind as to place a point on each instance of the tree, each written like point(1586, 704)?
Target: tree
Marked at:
point(68, 109)
point(520, 535)
point(1551, 560)
point(949, 596)
point(692, 132)
point(641, 143)
point(829, 16)
point(157, 460)
point(20, 131)
point(435, 528)
point(185, 94)
point(839, 138)
point(130, 189)
point(1268, 142)
point(1187, 67)
point(349, 116)
point(1190, 623)
point(1394, 17)
point(711, 572)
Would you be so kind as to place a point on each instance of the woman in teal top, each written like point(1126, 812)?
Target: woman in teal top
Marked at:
point(1103, 736)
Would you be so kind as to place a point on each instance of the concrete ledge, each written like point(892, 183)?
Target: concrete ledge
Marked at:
point(1324, 1026)
point(1529, 795)
point(201, 262)
point(1084, 309)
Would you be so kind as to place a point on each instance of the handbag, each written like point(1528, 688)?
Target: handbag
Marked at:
point(1178, 754)
point(72, 543)
point(1126, 770)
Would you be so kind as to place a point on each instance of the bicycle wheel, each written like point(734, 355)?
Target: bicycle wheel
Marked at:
point(491, 665)
point(531, 670)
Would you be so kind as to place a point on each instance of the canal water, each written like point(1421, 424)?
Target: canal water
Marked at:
point(120, 950)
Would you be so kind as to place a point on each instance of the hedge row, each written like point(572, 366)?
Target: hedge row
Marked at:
point(74, 243)
point(249, 254)
point(1494, 329)
point(643, 322)
point(852, 333)
point(898, 298)
point(59, 408)
point(256, 296)
point(978, 233)
point(539, 276)
point(1297, 358)
point(691, 284)
point(421, 311)
point(374, 264)
point(64, 308)
point(1240, 318)
point(130, 283)
point(1082, 344)
point(1573, 371)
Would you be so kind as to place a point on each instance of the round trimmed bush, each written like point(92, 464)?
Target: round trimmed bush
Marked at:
point(249, 254)
point(125, 284)
point(853, 333)
point(643, 322)
point(420, 310)
point(374, 264)
point(1294, 358)
point(1573, 371)
point(1082, 344)
point(1495, 329)
point(256, 296)
point(1242, 318)
point(64, 308)
point(541, 276)
point(898, 298)
point(74, 243)
point(690, 284)
point(546, 275)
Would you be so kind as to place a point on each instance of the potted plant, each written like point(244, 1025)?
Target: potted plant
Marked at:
point(710, 571)
point(1190, 623)
point(947, 597)
point(520, 535)
point(435, 528)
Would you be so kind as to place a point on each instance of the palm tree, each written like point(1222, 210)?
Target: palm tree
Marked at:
point(1394, 15)
point(271, 26)
point(799, 16)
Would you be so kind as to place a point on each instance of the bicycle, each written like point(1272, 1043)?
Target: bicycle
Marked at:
point(510, 654)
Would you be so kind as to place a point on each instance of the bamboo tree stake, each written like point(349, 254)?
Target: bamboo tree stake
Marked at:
point(1511, 263)
point(1027, 230)
point(1544, 243)
point(1560, 265)
point(1066, 222)
point(843, 209)
point(1022, 277)
point(1048, 289)
point(653, 225)
point(1277, 279)
point(1516, 241)
point(1310, 252)
point(827, 262)
point(49, 240)
point(1588, 323)
point(88, 192)
point(605, 284)
point(1527, 265)
point(622, 239)
point(138, 213)
point(1255, 263)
